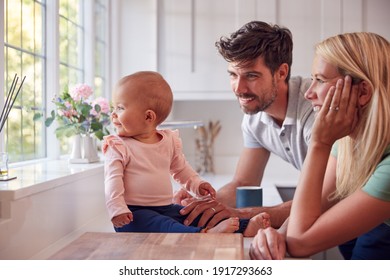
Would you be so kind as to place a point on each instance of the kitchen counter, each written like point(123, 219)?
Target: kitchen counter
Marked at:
point(271, 197)
point(153, 246)
point(111, 245)
point(180, 124)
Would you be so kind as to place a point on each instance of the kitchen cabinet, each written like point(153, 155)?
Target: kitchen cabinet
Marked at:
point(188, 30)
point(188, 57)
point(177, 37)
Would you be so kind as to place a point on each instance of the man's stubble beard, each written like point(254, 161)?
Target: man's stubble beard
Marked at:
point(265, 104)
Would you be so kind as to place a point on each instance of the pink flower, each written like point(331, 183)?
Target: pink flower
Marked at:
point(104, 106)
point(81, 92)
point(67, 104)
point(67, 113)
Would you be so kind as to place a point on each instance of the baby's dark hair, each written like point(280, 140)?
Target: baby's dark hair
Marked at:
point(258, 39)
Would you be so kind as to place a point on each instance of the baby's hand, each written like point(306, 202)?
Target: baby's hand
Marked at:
point(182, 197)
point(205, 189)
point(122, 220)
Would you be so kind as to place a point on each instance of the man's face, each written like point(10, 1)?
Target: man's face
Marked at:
point(254, 86)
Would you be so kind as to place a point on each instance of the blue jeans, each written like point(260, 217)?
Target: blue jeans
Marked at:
point(373, 245)
point(163, 219)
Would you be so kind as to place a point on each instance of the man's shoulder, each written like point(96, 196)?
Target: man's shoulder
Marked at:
point(297, 89)
point(298, 84)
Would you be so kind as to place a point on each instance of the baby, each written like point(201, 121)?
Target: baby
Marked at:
point(141, 160)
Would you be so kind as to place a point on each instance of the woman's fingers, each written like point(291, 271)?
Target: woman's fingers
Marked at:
point(336, 102)
point(337, 116)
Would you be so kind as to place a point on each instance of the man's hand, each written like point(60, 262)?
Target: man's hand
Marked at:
point(209, 209)
point(268, 244)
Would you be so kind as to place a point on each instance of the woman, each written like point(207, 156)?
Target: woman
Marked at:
point(343, 195)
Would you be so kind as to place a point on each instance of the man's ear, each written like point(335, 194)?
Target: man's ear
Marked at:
point(282, 72)
point(150, 116)
point(365, 93)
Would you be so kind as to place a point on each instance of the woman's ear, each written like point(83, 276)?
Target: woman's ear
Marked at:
point(365, 93)
point(150, 116)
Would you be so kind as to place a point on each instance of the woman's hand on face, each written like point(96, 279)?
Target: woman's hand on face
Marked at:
point(338, 115)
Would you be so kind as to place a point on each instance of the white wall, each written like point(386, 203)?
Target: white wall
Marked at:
point(147, 42)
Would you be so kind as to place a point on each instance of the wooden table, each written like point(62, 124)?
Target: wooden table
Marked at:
point(153, 246)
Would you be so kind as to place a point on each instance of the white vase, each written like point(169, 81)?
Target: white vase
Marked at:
point(89, 150)
point(84, 150)
point(76, 148)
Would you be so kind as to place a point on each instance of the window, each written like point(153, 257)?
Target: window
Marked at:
point(71, 43)
point(51, 58)
point(71, 48)
point(24, 54)
point(101, 12)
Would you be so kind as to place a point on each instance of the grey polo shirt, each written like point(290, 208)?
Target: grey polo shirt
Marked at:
point(291, 140)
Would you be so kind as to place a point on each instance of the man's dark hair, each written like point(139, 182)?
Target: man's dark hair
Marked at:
point(258, 39)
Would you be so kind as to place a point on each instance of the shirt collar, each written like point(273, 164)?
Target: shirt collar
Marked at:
point(291, 114)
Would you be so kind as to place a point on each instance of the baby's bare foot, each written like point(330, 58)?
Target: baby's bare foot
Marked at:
point(227, 226)
point(259, 221)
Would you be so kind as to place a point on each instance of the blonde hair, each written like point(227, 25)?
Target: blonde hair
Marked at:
point(154, 92)
point(365, 56)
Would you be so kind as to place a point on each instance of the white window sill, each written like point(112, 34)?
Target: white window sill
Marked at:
point(43, 175)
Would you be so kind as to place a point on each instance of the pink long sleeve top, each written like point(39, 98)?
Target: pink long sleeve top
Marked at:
point(137, 173)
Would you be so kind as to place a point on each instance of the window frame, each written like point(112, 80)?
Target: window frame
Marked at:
point(2, 67)
point(52, 75)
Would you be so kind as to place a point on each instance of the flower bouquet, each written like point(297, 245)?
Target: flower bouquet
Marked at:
point(78, 114)
point(81, 116)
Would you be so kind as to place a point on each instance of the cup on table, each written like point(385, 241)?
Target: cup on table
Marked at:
point(249, 196)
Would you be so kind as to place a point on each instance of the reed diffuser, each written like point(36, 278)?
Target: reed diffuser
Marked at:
point(8, 104)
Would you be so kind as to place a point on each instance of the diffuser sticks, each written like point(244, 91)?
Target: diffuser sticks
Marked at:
point(10, 100)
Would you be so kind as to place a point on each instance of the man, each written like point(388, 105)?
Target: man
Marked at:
point(277, 117)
